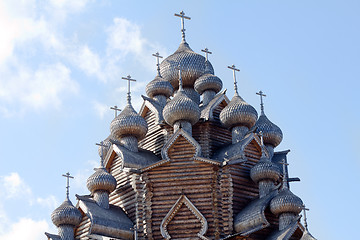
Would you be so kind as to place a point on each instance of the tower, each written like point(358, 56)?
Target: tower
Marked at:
point(191, 164)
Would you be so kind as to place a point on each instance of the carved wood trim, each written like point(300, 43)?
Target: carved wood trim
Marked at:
point(173, 211)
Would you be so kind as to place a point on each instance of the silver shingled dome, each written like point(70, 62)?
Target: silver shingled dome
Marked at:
point(159, 86)
point(272, 133)
point(265, 170)
point(66, 214)
point(101, 180)
point(128, 123)
point(238, 113)
point(193, 66)
point(208, 81)
point(181, 107)
point(286, 202)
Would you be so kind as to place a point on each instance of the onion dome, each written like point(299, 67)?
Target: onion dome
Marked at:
point(181, 108)
point(128, 122)
point(159, 86)
point(101, 180)
point(265, 170)
point(208, 81)
point(192, 64)
point(286, 202)
point(238, 113)
point(66, 214)
point(272, 133)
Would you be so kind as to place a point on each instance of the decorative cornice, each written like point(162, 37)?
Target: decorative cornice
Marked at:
point(174, 210)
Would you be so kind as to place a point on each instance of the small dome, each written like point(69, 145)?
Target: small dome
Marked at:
point(101, 180)
point(128, 122)
point(265, 170)
point(208, 81)
point(193, 66)
point(237, 113)
point(286, 202)
point(107, 144)
point(159, 86)
point(181, 107)
point(272, 133)
point(66, 214)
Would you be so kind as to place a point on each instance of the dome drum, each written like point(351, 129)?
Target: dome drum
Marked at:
point(66, 232)
point(285, 220)
point(130, 142)
point(102, 199)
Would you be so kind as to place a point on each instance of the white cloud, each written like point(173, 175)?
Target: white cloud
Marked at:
point(124, 37)
point(14, 186)
point(37, 89)
point(101, 109)
point(26, 228)
point(49, 202)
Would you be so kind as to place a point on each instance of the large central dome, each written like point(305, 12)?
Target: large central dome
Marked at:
point(192, 65)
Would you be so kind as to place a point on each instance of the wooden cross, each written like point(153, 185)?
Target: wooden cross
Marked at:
point(115, 108)
point(180, 79)
point(102, 145)
point(128, 78)
point(157, 55)
point(305, 219)
point(285, 177)
point(182, 16)
point(67, 175)
point(261, 100)
point(232, 67)
point(206, 51)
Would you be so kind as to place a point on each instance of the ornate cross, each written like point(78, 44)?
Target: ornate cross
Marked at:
point(206, 51)
point(68, 176)
point(157, 55)
point(232, 67)
point(115, 108)
point(102, 145)
point(182, 16)
point(180, 79)
point(128, 78)
point(305, 219)
point(261, 100)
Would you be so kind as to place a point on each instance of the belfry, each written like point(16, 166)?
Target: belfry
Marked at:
point(191, 164)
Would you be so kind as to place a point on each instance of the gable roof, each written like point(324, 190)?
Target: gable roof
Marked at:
point(151, 105)
point(207, 111)
point(52, 236)
point(112, 222)
point(252, 217)
point(234, 153)
point(135, 160)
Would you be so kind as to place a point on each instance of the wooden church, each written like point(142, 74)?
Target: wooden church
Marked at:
point(192, 164)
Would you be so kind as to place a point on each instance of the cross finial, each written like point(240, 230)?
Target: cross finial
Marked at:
point(180, 79)
point(68, 176)
point(285, 177)
point(232, 67)
point(182, 16)
point(157, 55)
point(115, 108)
point(102, 145)
point(305, 219)
point(261, 100)
point(128, 78)
point(206, 51)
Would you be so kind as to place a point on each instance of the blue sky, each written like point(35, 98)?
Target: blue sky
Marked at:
point(61, 64)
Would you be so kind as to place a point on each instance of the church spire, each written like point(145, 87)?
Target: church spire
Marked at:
point(182, 16)
point(128, 78)
point(68, 176)
point(232, 67)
